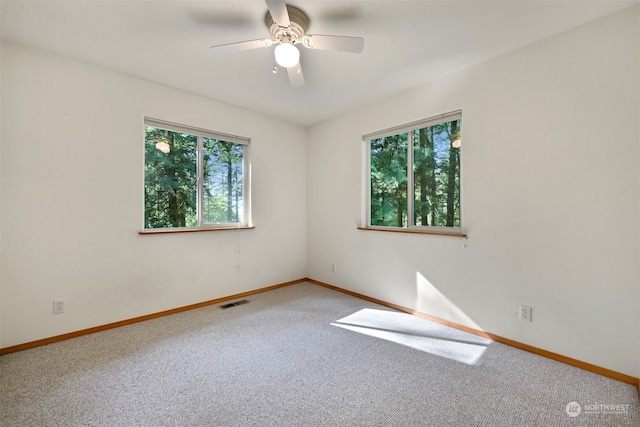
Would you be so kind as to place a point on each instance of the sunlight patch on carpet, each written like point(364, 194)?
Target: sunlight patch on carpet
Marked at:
point(417, 333)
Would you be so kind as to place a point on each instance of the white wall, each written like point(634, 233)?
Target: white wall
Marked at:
point(72, 200)
point(550, 198)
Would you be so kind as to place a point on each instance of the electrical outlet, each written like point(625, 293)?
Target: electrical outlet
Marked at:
point(59, 306)
point(525, 313)
point(333, 268)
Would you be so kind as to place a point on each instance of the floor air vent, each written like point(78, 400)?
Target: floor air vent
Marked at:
point(233, 304)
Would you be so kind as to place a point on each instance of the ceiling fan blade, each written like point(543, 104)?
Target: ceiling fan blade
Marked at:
point(240, 46)
point(279, 13)
point(295, 76)
point(339, 43)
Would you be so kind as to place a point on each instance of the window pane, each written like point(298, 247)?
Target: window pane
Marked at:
point(170, 185)
point(223, 186)
point(389, 181)
point(436, 175)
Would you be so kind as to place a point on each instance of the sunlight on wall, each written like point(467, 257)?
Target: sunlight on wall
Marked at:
point(429, 300)
point(417, 333)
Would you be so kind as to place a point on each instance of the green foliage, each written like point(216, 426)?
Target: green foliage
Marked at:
point(436, 178)
point(171, 180)
point(389, 181)
point(170, 187)
point(223, 182)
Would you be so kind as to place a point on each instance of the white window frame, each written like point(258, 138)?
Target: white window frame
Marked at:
point(246, 173)
point(409, 128)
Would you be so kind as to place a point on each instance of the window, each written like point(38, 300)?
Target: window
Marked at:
point(413, 175)
point(194, 178)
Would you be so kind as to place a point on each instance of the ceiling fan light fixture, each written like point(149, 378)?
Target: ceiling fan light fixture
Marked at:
point(287, 55)
point(287, 28)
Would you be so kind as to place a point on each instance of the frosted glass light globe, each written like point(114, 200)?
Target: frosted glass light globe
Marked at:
point(287, 55)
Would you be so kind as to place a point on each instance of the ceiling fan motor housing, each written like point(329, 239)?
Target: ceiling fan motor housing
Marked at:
point(288, 29)
point(296, 30)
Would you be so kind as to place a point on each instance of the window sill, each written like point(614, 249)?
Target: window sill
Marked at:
point(191, 230)
point(458, 234)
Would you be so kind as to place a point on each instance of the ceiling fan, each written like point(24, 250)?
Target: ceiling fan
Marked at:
point(288, 29)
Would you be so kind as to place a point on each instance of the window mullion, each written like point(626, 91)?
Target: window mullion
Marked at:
point(410, 191)
point(367, 190)
point(200, 186)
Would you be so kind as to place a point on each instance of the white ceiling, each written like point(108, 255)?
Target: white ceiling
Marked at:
point(407, 43)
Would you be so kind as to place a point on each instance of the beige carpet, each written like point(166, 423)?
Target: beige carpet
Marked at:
point(302, 355)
